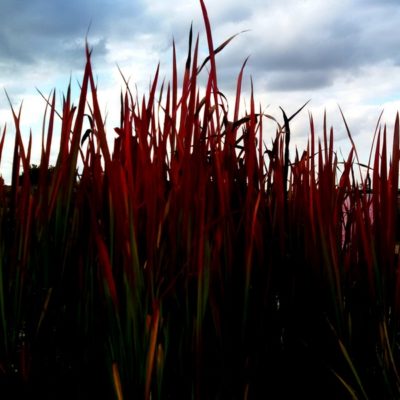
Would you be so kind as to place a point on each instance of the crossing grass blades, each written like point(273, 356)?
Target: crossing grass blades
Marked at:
point(194, 259)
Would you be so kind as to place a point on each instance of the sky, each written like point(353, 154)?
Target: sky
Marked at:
point(334, 52)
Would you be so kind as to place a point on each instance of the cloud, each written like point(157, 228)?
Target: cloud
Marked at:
point(49, 35)
point(320, 40)
point(301, 80)
point(315, 39)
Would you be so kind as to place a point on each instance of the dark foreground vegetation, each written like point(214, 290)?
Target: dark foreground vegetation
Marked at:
point(194, 259)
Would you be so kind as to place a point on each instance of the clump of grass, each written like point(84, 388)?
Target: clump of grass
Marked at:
point(193, 261)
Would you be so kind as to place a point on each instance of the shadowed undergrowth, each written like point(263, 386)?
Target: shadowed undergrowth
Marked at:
point(192, 259)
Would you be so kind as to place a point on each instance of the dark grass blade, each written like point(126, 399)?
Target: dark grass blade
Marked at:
point(219, 48)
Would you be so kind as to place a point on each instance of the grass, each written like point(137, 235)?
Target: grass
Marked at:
point(192, 260)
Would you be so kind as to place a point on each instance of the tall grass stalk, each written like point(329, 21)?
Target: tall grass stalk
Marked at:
point(193, 260)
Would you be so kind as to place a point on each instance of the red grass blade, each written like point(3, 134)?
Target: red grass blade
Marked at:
point(104, 260)
point(152, 348)
point(2, 140)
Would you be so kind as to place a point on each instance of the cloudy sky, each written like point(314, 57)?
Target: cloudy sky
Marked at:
point(334, 52)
